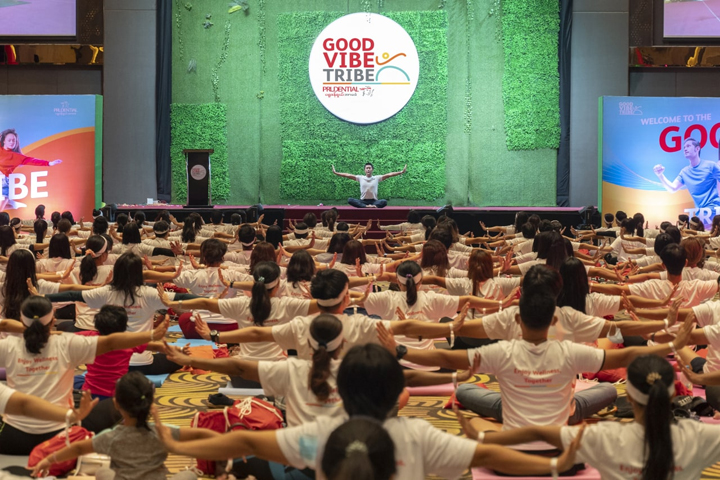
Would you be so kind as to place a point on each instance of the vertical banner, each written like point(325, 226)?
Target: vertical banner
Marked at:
point(50, 153)
point(659, 156)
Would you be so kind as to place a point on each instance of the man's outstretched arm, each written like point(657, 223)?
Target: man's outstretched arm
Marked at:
point(346, 175)
point(394, 174)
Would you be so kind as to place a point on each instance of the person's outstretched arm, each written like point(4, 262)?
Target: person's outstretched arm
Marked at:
point(246, 369)
point(346, 175)
point(670, 187)
point(393, 174)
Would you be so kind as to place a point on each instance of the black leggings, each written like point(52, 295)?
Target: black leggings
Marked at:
point(16, 442)
point(160, 366)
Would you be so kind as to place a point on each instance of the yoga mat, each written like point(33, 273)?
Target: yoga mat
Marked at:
point(230, 390)
point(158, 380)
point(175, 328)
point(194, 342)
point(485, 474)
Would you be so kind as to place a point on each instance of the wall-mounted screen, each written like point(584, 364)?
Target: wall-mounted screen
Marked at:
point(691, 19)
point(38, 18)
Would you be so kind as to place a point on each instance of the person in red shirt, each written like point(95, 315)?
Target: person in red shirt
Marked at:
point(12, 157)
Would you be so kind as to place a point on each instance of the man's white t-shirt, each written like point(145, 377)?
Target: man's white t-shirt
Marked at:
point(536, 381)
point(600, 305)
point(571, 325)
point(693, 291)
point(616, 450)
point(48, 375)
point(693, 273)
point(282, 310)
point(140, 313)
point(290, 379)
point(357, 330)
point(420, 448)
point(707, 313)
point(368, 186)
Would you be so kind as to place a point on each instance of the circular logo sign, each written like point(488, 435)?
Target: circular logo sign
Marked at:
point(364, 68)
point(198, 172)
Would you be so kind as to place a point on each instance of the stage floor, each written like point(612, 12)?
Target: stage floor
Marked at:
point(467, 218)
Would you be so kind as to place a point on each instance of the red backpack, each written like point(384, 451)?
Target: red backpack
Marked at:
point(55, 444)
point(248, 414)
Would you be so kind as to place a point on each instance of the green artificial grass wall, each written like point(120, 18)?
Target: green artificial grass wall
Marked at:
point(313, 139)
point(237, 64)
point(531, 82)
point(197, 127)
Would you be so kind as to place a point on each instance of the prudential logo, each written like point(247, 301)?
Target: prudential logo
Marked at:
point(64, 110)
point(364, 68)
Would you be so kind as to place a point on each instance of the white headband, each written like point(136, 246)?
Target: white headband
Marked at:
point(247, 244)
point(270, 285)
point(301, 231)
point(163, 232)
point(102, 250)
point(44, 320)
point(331, 302)
point(330, 346)
point(403, 280)
point(642, 398)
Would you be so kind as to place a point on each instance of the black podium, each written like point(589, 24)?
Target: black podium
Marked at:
point(199, 192)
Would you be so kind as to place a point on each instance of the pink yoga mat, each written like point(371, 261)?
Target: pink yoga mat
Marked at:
point(485, 474)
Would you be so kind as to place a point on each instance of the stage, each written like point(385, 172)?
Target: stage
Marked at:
point(467, 218)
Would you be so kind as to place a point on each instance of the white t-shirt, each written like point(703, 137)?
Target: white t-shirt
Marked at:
point(206, 282)
point(619, 251)
point(458, 260)
point(290, 379)
point(357, 330)
point(420, 448)
point(693, 291)
point(84, 315)
point(52, 265)
point(599, 305)
point(48, 375)
point(241, 256)
point(140, 314)
point(282, 310)
point(572, 325)
point(616, 450)
point(536, 381)
point(429, 307)
point(693, 273)
point(707, 313)
point(524, 247)
point(368, 186)
point(5, 394)
point(712, 332)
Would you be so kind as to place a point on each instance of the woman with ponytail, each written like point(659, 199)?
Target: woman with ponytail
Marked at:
point(41, 364)
point(92, 272)
point(420, 305)
point(133, 446)
point(309, 386)
point(263, 308)
point(653, 447)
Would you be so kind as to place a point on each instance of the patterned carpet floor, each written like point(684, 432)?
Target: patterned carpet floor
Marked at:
point(183, 394)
